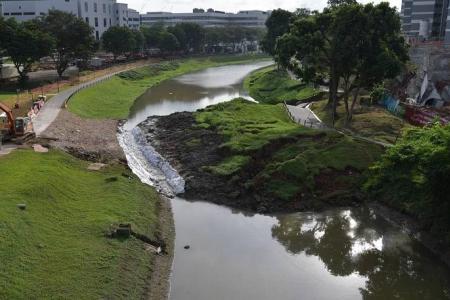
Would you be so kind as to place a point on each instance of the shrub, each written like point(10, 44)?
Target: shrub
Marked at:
point(414, 176)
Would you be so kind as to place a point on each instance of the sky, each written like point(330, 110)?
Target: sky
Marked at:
point(232, 5)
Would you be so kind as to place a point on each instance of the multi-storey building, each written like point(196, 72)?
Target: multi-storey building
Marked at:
point(99, 14)
point(426, 19)
point(210, 18)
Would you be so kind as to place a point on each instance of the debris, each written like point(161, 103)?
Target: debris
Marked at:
point(22, 206)
point(39, 148)
point(187, 247)
point(111, 179)
point(96, 166)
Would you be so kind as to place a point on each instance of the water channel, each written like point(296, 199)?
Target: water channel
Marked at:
point(336, 254)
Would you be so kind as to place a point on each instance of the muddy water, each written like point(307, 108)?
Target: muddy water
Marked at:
point(338, 254)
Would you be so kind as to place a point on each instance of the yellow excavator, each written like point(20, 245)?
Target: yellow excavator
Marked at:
point(18, 129)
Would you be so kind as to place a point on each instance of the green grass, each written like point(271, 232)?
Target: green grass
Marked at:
point(372, 122)
point(247, 126)
point(113, 98)
point(272, 86)
point(57, 248)
point(294, 155)
point(7, 97)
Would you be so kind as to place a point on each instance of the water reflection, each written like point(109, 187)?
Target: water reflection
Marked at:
point(357, 242)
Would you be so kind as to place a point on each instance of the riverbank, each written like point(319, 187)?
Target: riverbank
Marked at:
point(252, 156)
point(90, 140)
point(113, 98)
point(58, 245)
point(271, 86)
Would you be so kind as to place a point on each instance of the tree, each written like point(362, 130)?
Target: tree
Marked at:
point(139, 40)
point(152, 35)
point(277, 24)
point(25, 43)
point(179, 33)
point(168, 42)
point(352, 45)
point(195, 35)
point(118, 40)
point(73, 38)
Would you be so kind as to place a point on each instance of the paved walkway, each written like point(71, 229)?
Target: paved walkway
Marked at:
point(52, 108)
point(303, 115)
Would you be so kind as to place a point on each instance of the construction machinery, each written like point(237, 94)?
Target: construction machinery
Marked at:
point(18, 129)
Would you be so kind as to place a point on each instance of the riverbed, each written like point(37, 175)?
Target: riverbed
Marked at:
point(335, 254)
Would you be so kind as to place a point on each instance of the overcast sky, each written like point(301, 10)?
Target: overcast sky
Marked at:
point(231, 5)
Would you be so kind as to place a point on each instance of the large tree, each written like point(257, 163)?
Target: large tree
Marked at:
point(195, 36)
point(277, 24)
point(25, 43)
point(73, 38)
point(168, 42)
point(118, 40)
point(351, 45)
point(180, 34)
point(152, 35)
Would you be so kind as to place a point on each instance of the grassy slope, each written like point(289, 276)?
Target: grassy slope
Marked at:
point(373, 122)
point(113, 98)
point(62, 231)
point(291, 168)
point(272, 86)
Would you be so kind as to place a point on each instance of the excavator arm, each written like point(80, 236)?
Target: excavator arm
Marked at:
point(10, 116)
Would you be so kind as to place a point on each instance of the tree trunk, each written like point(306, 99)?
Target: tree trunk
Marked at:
point(352, 108)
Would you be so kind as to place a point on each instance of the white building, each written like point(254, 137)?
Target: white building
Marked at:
point(99, 14)
point(210, 18)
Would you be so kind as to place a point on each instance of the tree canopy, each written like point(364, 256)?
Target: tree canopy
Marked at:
point(118, 40)
point(73, 38)
point(277, 24)
point(348, 44)
point(25, 43)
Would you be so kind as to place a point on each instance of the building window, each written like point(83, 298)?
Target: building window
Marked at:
point(86, 7)
point(96, 22)
point(104, 22)
point(95, 7)
point(104, 8)
point(109, 21)
point(96, 35)
point(87, 20)
point(29, 13)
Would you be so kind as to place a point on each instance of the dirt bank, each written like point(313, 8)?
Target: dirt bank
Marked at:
point(190, 148)
point(88, 139)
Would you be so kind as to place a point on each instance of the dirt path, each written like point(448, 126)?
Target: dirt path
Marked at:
point(93, 140)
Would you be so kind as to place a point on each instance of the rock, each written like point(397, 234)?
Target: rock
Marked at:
point(39, 148)
point(95, 166)
point(22, 206)
point(187, 247)
point(124, 230)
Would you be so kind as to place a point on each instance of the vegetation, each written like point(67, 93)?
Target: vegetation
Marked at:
point(277, 24)
point(120, 40)
point(271, 85)
point(368, 121)
point(73, 38)
point(63, 229)
point(351, 45)
point(113, 98)
point(25, 43)
point(413, 176)
point(295, 158)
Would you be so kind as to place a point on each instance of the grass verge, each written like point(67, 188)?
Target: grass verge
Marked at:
point(56, 248)
point(270, 85)
point(113, 98)
point(285, 160)
point(368, 121)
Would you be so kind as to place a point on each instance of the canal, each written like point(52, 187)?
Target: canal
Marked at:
point(335, 254)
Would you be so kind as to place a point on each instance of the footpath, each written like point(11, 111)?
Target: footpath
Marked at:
point(303, 115)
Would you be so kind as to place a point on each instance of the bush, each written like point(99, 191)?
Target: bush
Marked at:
point(414, 176)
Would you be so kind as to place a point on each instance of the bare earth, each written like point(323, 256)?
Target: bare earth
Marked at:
point(93, 140)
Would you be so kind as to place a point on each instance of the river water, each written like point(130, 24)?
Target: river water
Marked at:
point(336, 254)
